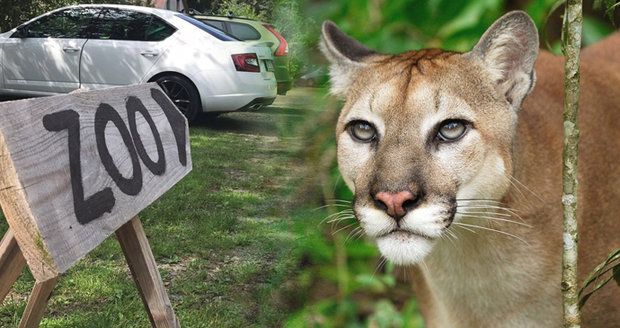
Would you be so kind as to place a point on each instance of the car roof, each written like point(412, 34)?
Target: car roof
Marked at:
point(162, 13)
point(159, 12)
point(228, 18)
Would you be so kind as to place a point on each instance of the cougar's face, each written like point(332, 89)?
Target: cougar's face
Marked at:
point(424, 133)
point(412, 150)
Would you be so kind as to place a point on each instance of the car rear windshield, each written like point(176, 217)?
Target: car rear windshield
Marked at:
point(221, 35)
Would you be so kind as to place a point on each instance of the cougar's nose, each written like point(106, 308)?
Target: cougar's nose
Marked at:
point(395, 204)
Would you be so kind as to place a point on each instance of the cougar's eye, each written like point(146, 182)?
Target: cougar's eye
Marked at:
point(362, 131)
point(452, 130)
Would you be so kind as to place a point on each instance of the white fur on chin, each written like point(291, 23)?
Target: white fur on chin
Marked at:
point(404, 248)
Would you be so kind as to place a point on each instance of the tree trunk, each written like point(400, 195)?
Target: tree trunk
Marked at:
point(571, 43)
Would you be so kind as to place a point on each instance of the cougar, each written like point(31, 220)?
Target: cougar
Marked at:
point(455, 162)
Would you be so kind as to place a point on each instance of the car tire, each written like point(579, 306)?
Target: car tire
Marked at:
point(183, 94)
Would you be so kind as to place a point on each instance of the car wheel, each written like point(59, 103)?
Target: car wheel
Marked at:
point(183, 94)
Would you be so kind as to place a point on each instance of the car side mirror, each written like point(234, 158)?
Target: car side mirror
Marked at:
point(20, 32)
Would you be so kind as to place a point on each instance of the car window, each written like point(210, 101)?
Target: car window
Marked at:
point(158, 30)
point(243, 31)
point(129, 25)
point(216, 24)
point(70, 23)
point(219, 34)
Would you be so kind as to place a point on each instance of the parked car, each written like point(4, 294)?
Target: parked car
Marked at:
point(201, 68)
point(257, 32)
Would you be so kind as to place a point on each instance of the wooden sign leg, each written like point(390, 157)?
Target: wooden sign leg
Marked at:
point(37, 303)
point(142, 264)
point(12, 263)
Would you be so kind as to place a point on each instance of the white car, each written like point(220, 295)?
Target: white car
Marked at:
point(98, 46)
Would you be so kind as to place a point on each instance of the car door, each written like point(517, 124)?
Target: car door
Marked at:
point(44, 55)
point(122, 48)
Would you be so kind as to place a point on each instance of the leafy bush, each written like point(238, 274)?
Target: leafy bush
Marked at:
point(253, 9)
point(287, 17)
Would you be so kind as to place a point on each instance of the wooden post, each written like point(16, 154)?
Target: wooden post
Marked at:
point(37, 303)
point(12, 263)
point(143, 268)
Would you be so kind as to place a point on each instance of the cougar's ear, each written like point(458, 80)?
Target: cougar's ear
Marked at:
point(345, 54)
point(509, 49)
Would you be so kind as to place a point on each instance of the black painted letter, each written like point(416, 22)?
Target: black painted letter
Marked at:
point(97, 204)
point(106, 113)
point(176, 120)
point(134, 105)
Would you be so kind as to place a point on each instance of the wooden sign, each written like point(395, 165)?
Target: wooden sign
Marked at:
point(79, 166)
point(75, 168)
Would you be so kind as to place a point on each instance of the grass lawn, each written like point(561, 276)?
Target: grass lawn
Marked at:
point(222, 239)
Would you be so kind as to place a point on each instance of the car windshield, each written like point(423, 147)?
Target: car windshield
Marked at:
point(207, 28)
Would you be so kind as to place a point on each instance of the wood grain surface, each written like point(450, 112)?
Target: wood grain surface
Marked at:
point(143, 268)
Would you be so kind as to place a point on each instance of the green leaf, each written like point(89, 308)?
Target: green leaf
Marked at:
point(598, 273)
point(469, 17)
point(611, 10)
point(616, 274)
point(584, 299)
point(607, 5)
point(555, 6)
point(539, 11)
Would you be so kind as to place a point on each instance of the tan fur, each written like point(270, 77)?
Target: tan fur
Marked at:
point(488, 279)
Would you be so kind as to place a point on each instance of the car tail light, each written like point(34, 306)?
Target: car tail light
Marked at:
point(246, 62)
point(283, 47)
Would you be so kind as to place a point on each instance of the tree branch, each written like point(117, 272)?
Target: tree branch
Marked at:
point(571, 44)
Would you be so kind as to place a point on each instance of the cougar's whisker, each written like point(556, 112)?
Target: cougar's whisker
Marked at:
point(526, 188)
point(342, 228)
point(337, 224)
point(483, 212)
point(341, 218)
point(495, 219)
point(329, 205)
point(379, 265)
point(478, 200)
point(506, 209)
point(491, 229)
point(342, 201)
point(452, 234)
point(425, 266)
point(354, 234)
point(520, 193)
point(495, 207)
point(465, 228)
point(346, 211)
point(448, 237)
